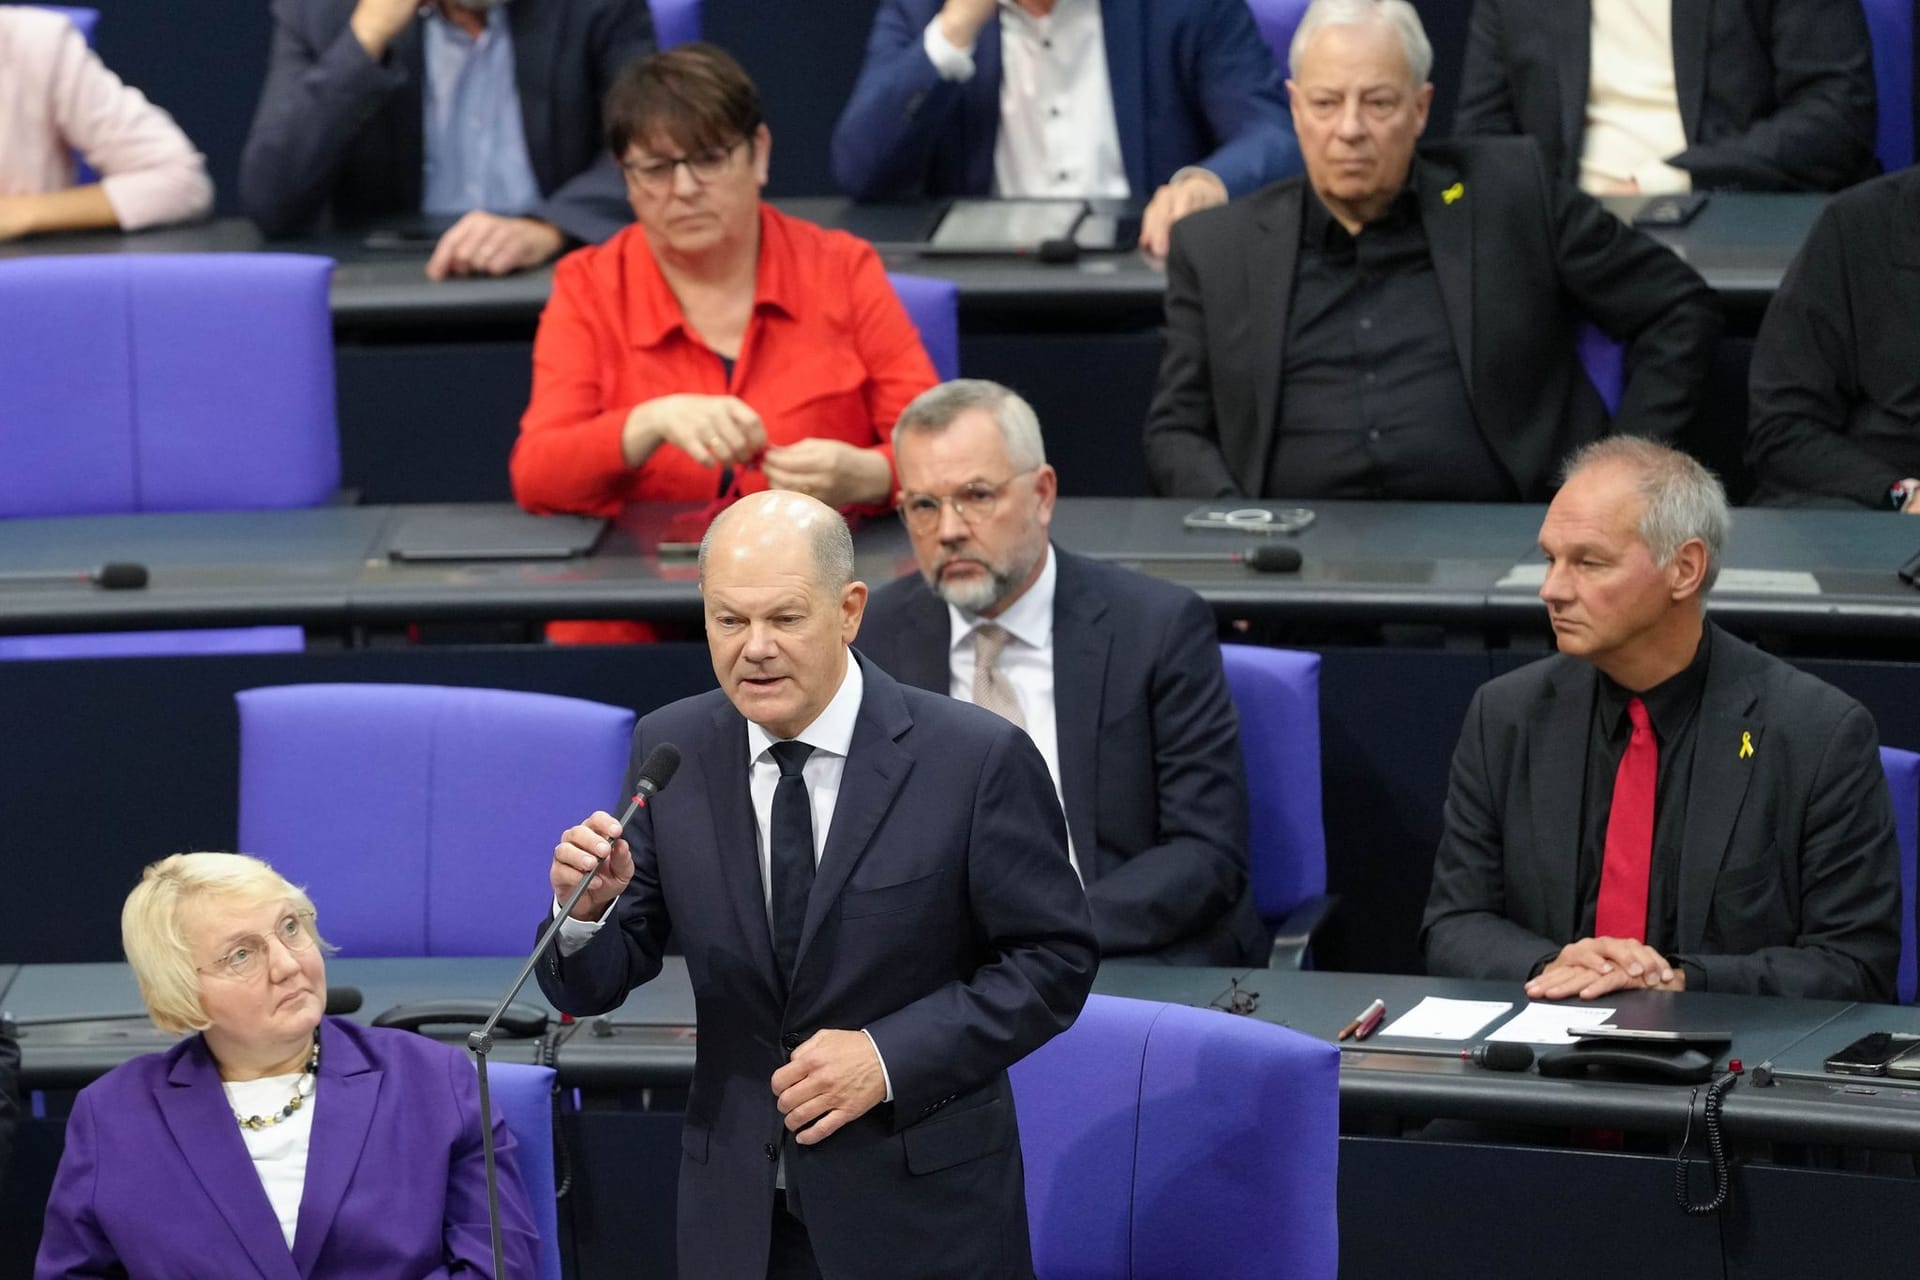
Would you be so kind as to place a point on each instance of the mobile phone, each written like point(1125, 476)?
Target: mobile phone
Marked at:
point(1249, 519)
point(1674, 210)
point(1607, 1031)
point(1907, 1065)
point(1869, 1055)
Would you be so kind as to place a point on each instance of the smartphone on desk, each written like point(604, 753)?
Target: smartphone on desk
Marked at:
point(1604, 1031)
point(1673, 210)
point(1870, 1055)
point(1907, 1065)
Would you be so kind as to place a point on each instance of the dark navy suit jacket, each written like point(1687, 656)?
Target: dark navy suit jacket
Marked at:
point(944, 920)
point(1193, 84)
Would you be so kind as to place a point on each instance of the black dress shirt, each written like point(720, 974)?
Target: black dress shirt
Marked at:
point(1673, 706)
point(1372, 402)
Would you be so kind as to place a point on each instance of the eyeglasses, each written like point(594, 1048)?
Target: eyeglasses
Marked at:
point(705, 167)
point(973, 503)
point(248, 959)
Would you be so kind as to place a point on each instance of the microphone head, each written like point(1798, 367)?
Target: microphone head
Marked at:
point(120, 577)
point(1061, 250)
point(657, 770)
point(343, 1000)
point(1273, 557)
point(1503, 1055)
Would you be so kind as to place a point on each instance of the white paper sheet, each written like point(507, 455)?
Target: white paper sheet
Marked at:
point(1540, 1023)
point(1435, 1018)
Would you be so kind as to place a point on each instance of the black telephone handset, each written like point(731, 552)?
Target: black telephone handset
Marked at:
point(1660, 1064)
point(521, 1020)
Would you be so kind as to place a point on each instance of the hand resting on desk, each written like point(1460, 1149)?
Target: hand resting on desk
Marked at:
point(1593, 967)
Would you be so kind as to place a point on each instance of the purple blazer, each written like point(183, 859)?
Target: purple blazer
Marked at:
point(156, 1181)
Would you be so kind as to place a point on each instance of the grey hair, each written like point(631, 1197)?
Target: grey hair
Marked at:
point(934, 410)
point(1398, 14)
point(1683, 499)
point(832, 548)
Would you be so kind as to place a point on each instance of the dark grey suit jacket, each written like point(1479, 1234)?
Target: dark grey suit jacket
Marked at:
point(337, 133)
point(1774, 95)
point(1149, 753)
point(1520, 261)
point(1789, 870)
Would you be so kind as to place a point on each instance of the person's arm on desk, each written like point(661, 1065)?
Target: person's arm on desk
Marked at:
point(1594, 967)
point(1182, 433)
point(489, 244)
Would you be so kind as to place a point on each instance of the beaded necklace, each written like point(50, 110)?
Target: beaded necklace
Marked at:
point(302, 1090)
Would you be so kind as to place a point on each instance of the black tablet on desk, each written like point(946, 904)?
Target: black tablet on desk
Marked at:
point(499, 534)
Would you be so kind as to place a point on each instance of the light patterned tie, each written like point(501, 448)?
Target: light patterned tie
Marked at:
point(991, 689)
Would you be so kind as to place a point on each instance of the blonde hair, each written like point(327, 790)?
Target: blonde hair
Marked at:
point(153, 926)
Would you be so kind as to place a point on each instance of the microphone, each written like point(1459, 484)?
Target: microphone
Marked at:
point(114, 576)
point(1499, 1056)
point(343, 1000)
point(656, 771)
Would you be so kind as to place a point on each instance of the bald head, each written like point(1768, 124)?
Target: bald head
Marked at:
point(775, 519)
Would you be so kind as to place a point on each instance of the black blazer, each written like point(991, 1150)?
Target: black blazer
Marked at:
point(339, 134)
point(1520, 261)
point(1835, 379)
point(1149, 753)
point(944, 920)
point(1789, 871)
point(1774, 95)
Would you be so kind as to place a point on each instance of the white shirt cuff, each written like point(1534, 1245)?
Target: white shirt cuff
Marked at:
point(884, 1076)
point(575, 934)
point(1658, 178)
point(951, 61)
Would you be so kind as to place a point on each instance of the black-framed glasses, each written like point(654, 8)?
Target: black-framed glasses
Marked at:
point(705, 166)
point(248, 957)
point(972, 503)
point(1235, 999)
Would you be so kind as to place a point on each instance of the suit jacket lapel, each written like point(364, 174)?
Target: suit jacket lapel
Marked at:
point(1082, 640)
point(723, 770)
point(1120, 22)
point(341, 1119)
point(535, 45)
point(1557, 741)
point(1447, 213)
point(1730, 721)
point(196, 1112)
point(1692, 26)
point(1569, 31)
point(1271, 261)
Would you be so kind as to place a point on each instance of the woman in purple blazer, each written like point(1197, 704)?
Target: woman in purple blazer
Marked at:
point(275, 1143)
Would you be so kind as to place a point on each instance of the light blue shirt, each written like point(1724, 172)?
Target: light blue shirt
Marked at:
point(476, 145)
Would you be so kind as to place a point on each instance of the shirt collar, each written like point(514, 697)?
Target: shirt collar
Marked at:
point(654, 314)
point(831, 730)
point(1318, 225)
point(496, 19)
point(1029, 619)
point(1668, 703)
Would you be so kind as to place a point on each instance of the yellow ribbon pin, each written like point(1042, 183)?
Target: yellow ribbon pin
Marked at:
point(1453, 193)
point(1746, 744)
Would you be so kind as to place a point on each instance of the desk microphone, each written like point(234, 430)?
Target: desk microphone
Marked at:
point(1268, 557)
point(1499, 1056)
point(113, 577)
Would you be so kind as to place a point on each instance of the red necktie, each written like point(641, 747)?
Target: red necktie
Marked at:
point(1622, 910)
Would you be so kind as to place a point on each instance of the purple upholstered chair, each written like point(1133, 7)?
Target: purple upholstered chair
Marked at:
point(1890, 27)
point(1277, 693)
point(146, 644)
point(422, 817)
point(523, 1097)
point(1903, 786)
point(165, 382)
point(934, 307)
point(675, 22)
point(1165, 1141)
point(1277, 20)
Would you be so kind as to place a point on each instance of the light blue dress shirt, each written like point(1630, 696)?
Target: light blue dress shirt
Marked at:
point(476, 145)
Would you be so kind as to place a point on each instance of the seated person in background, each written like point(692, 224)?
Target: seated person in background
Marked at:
point(57, 98)
point(274, 1130)
point(1402, 326)
point(1177, 99)
point(1116, 677)
point(1652, 96)
point(718, 346)
point(1836, 370)
point(1661, 805)
point(478, 108)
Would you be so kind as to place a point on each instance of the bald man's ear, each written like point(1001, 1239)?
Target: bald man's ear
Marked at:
point(1687, 571)
point(853, 607)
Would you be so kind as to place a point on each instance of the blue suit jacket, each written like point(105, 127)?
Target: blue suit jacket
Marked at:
point(1149, 753)
point(156, 1180)
point(944, 920)
point(1193, 83)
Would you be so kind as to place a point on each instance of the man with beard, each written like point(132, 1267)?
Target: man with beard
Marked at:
point(487, 111)
point(1115, 676)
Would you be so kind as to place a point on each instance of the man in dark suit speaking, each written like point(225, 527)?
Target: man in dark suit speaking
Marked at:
point(871, 886)
point(1661, 805)
point(1115, 675)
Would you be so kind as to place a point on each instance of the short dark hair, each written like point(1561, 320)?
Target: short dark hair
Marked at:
point(695, 94)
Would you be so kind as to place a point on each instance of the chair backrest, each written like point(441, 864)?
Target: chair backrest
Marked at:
point(422, 818)
point(1890, 26)
point(1165, 1141)
point(523, 1097)
point(934, 307)
point(674, 22)
point(1277, 693)
point(148, 644)
point(1277, 20)
point(165, 382)
point(1903, 786)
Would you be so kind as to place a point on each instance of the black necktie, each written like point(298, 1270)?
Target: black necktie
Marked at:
point(791, 858)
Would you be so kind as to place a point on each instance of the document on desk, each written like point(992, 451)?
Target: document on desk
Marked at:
point(1436, 1018)
point(1541, 1023)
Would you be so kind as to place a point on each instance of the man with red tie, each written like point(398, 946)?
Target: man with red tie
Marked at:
point(1661, 805)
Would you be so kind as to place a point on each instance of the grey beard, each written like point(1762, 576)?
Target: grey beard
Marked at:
point(976, 595)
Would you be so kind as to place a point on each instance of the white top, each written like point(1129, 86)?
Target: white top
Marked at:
point(1058, 135)
point(279, 1151)
point(56, 98)
point(1026, 662)
point(1633, 106)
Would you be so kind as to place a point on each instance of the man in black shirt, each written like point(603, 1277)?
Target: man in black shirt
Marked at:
point(1661, 805)
point(1402, 327)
